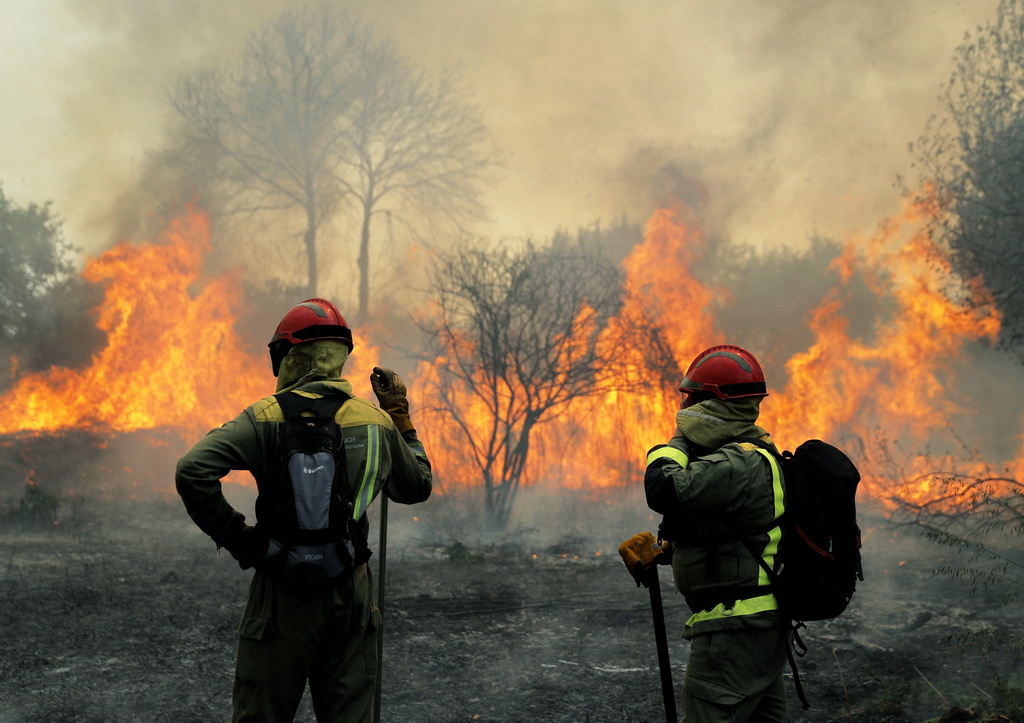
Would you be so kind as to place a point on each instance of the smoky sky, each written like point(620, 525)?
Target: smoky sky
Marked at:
point(793, 117)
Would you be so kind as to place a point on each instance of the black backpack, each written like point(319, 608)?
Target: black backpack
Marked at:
point(819, 562)
point(314, 541)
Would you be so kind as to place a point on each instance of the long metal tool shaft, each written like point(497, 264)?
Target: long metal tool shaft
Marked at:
point(381, 557)
point(661, 640)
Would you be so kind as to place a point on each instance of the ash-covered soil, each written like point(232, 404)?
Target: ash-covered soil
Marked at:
point(126, 613)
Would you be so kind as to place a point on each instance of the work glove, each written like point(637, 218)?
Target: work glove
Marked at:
point(247, 544)
point(390, 391)
point(642, 553)
point(251, 549)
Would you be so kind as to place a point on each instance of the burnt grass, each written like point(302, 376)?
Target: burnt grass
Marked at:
point(125, 612)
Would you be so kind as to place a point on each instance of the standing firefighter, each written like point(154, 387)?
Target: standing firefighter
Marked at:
point(714, 492)
point(319, 456)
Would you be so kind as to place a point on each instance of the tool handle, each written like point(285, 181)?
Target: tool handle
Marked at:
point(381, 571)
point(661, 640)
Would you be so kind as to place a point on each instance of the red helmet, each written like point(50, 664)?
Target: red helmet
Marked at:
point(312, 319)
point(726, 372)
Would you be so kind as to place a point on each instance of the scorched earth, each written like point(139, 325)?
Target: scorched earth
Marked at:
point(123, 611)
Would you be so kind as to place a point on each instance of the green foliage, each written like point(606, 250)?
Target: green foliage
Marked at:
point(1010, 696)
point(34, 259)
point(44, 308)
point(975, 158)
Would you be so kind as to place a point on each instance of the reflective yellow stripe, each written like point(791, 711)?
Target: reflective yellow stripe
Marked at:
point(677, 455)
point(370, 485)
point(739, 608)
point(774, 534)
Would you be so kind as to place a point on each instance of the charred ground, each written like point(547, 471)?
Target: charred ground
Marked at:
point(123, 611)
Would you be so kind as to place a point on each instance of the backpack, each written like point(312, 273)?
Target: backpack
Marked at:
point(314, 540)
point(819, 563)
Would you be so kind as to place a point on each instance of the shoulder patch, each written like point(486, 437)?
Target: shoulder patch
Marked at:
point(354, 413)
point(358, 412)
point(267, 410)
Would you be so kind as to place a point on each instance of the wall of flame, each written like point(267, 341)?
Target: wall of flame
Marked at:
point(173, 359)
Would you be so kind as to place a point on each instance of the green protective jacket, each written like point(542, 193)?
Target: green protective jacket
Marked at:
point(721, 496)
point(378, 458)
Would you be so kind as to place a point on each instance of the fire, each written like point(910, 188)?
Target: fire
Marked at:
point(172, 357)
point(173, 360)
point(857, 392)
point(659, 271)
point(620, 425)
point(624, 424)
point(893, 386)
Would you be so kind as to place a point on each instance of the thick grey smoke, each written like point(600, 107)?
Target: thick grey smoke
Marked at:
point(776, 120)
point(795, 116)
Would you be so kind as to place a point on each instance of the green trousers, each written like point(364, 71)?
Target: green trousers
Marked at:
point(735, 676)
point(288, 638)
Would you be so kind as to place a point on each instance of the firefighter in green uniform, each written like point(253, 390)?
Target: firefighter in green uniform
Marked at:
point(288, 637)
point(713, 492)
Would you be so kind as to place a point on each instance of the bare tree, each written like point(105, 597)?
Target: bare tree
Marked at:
point(317, 113)
point(413, 144)
point(274, 124)
point(519, 334)
point(975, 157)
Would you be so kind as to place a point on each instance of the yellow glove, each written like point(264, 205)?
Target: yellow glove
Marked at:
point(642, 553)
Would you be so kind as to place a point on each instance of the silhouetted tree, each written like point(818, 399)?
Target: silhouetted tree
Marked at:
point(518, 333)
point(975, 157)
point(414, 145)
point(318, 113)
point(44, 306)
point(273, 126)
point(34, 259)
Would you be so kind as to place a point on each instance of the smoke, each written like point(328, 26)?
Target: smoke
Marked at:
point(776, 122)
point(795, 117)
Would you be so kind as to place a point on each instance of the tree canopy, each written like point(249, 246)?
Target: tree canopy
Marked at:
point(518, 333)
point(974, 156)
point(45, 308)
point(34, 259)
point(318, 116)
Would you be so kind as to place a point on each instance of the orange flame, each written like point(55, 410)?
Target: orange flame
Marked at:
point(894, 386)
point(620, 425)
point(866, 391)
point(172, 357)
point(174, 360)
